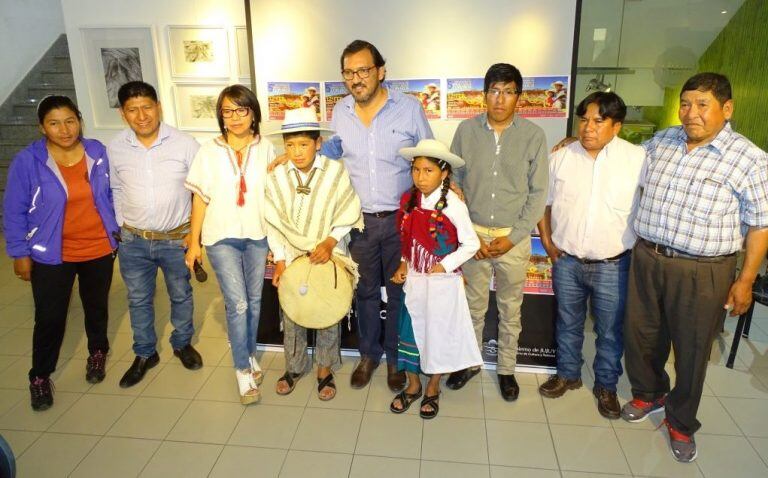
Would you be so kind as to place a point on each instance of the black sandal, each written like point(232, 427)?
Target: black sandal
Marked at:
point(290, 379)
point(326, 382)
point(432, 402)
point(406, 399)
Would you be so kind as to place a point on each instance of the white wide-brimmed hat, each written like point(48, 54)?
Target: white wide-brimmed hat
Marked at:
point(300, 119)
point(432, 148)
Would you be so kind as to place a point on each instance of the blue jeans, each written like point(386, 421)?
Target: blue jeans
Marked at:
point(139, 261)
point(605, 285)
point(239, 266)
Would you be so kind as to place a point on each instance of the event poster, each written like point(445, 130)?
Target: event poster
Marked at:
point(538, 276)
point(289, 95)
point(426, 91)
point(334, 91)
point(464, 98)
point(544, 97)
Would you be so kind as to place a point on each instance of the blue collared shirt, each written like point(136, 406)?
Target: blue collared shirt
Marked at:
point(702, 202)
point(148, 183)
point(378, 173)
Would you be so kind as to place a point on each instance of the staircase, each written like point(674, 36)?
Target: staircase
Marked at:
point(18, 114)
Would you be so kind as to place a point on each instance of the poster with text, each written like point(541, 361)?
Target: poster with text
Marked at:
point(464, 98)
point(538, 276)
point(544, 97)
point(334, 91)
point(427, 91)
point(290, 95)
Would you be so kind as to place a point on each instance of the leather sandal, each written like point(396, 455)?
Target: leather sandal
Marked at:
point(433, 403)
point(290, 379)
point(406, 399)
point(323, 383)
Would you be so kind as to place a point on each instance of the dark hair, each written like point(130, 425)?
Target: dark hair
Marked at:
point(134, 89)
point(505, 73)
point(241, 96)
point(442, 202)
point(55, 102)
point(609, 104)
point(313, 135)
point(360, 45)
point(715, 82)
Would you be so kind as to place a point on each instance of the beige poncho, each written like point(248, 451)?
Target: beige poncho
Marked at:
point(301, 221)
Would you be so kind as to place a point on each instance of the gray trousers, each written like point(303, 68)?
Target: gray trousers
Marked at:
point(327, 347)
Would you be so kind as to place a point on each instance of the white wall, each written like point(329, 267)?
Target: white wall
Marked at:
point(155, 13)
point(301, 40)
point(27, 29)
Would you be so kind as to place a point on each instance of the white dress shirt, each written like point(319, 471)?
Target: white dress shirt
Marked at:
point(594, 200)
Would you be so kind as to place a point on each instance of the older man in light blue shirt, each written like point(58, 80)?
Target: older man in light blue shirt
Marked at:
point(149, 162)
point(372, 124)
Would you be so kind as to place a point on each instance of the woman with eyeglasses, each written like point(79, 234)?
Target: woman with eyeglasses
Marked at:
point(227, 179)
point(59, 223)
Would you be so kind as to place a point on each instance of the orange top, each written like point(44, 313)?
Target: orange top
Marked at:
point(84, 237)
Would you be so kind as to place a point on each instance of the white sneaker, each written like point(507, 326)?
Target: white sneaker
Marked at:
point(249, 391)
point(258, 375)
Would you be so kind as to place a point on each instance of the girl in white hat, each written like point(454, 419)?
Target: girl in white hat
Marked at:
point(436, 334)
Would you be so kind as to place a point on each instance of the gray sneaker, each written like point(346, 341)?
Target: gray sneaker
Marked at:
point(638, 410)
point(683, 447)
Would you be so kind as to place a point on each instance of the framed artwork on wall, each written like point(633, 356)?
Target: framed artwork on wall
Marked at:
point(243, 60)
point(114, 56)
point(196, 106)
point(198, 51)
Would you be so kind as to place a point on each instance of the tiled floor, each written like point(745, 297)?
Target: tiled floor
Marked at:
point(187, 424)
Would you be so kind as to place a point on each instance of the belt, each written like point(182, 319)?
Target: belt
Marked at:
point(175, 233)
point(673, 253)
point(493, 231)
point(602, 261)
point(379, 214)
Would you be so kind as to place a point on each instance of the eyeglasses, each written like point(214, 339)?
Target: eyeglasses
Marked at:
point(494, 93)
point(242, 111)
point(361, 73)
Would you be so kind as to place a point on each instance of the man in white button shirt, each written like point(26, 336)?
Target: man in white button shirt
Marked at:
point(594, 189)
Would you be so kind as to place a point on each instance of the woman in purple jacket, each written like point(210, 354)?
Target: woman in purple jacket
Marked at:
point(60, 223)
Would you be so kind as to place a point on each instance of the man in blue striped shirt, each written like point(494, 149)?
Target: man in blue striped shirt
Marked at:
point(372, 123)
point(705, 195)
point(149, 162)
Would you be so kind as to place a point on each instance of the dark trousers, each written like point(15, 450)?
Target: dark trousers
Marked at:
point(51, 290)
point(377, 253)
point(673, 302)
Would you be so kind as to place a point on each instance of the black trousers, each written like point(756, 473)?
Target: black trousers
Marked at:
point(377, 253)
point(677, 303)
point(52, 289)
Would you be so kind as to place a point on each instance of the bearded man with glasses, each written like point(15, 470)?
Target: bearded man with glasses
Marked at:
point(372, 123)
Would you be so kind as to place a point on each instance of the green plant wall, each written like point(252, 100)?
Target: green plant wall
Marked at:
point(741, 53)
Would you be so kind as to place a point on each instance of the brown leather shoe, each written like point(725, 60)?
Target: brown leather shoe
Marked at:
point(395, 379)
point(362, 374)
point(556, 386)
point(607, 403)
